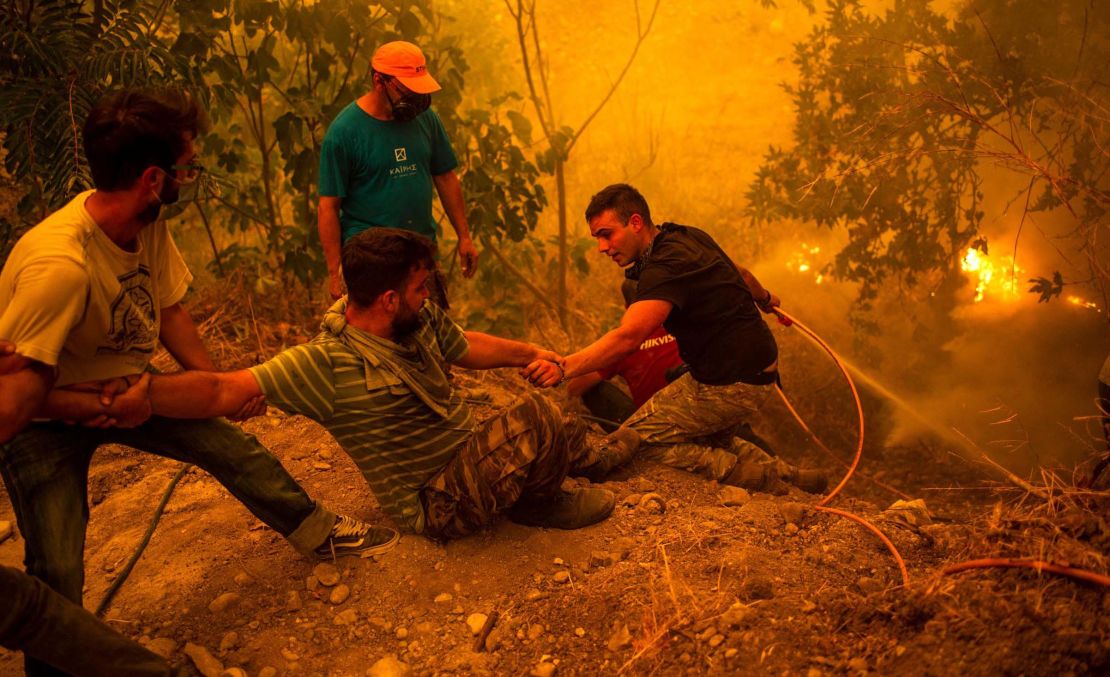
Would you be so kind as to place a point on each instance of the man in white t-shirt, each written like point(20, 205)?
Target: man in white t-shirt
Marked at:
point(86, 295)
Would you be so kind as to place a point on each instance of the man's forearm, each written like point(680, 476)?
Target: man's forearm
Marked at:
point(21, 394)
point(179, 336)
point(450, 195)
point(607, 350)
point(759, 292)
point(493, 352)
point(327, 223)
point(201, 394)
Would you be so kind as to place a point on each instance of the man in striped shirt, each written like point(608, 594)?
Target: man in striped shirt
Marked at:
point(375, 378)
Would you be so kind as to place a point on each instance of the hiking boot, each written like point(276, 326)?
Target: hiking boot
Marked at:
point(614, 451)
point(755, 476)
point(810, 481)
point(351, 537)
point(565, 510)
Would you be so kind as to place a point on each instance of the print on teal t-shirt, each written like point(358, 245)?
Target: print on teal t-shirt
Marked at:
point(382, 170)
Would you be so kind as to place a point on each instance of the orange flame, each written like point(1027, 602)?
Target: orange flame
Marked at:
point(997, 279)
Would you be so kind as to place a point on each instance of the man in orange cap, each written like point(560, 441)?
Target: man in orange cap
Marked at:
point(380, 159)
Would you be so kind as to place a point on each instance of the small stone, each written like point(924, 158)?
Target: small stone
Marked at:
point(389, 667)
point(632, 500)
point(535, 631)
point(558, 561)
point(868, 585)
point(326, 573)
point(320, 465)
point(339, 594)
point(534, 595)
point(793, 513)
point(791, 529)
point(561, 577)
point(5, 530)
point(288, 655)
point(346, 617)
point(163, 646)
point(380, 623)
point(624, 546)
point(458, 610)
point(857, 665)
point(325, 454)
point(476, 622)
point(543, 669)
point(401, 633)
point(293, 601)
point(205, 662)
point(733, 496)
point(715, 640)
point(268, 671)
point(224, 602)
point(620, 639)
point(311, 583)
point(581, 632)
point(729, 653)
point(653, 504)
point(643, 485)
point(757, 588)
point(443, 598)
point(234, 672)
point(242, 578)
point(600, 558)
point(229, 641)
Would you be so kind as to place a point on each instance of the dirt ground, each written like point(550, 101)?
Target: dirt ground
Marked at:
point(674, 583)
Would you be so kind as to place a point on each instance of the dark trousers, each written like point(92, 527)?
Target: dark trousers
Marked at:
point(41, 623)
point(45, 469)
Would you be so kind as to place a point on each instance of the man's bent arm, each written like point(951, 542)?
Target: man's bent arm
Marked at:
point(202, 394)
point(179, 336)
point(327, 223)
point(22, 393)
point(491, 352)
point(451, 196)
point(639, 321)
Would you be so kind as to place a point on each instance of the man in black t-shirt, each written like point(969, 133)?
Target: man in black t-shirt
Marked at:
point(712, 308)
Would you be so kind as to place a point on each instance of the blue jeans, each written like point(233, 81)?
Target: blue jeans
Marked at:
point(41, 623)
point(45, 469)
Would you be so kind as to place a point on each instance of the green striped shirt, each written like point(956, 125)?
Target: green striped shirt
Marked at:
point(394, 438)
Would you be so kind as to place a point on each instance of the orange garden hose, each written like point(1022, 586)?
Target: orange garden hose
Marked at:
point(790, 320)
point(1039, 565)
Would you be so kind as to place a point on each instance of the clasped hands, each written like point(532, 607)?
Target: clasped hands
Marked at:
point(547, 370)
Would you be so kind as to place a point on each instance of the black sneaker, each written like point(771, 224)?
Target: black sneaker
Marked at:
point(565, 510)
point(351, 537)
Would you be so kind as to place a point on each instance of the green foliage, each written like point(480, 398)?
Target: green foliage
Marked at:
point(57, 57)
point(273, 74)
point(899, 115)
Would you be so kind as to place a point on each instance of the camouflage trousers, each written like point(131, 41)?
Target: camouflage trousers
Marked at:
point(525, 450)
point(674, 423)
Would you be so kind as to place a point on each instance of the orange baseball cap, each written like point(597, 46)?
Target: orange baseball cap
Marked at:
point(405, 61)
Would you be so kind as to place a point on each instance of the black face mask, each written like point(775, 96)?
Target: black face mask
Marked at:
point(407, 106)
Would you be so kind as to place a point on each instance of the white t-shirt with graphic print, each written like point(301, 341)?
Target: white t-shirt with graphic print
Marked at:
point(71, 298)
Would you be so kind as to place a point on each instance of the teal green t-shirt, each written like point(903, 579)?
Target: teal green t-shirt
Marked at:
point(382, 170)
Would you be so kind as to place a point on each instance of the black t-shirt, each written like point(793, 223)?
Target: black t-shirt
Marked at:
point(720, 331)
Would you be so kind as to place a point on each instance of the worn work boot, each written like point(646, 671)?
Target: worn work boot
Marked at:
point(613, 452)
point(565, 510)
point(811, 481)
point(755, 476)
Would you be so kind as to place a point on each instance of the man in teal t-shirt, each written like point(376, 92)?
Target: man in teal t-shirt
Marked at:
point(381, 157)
